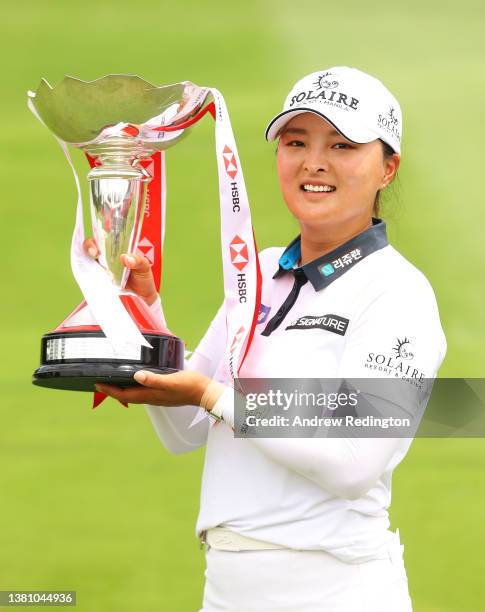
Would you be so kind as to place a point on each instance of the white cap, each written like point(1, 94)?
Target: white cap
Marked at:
point(355, 103)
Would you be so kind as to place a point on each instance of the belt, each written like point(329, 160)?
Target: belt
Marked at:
point(225, 539)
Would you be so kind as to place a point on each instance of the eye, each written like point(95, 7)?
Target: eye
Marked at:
point(295, 143)
point(342, 145)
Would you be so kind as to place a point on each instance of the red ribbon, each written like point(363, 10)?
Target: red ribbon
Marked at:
point(211, 108)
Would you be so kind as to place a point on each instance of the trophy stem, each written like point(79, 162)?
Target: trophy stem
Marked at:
point(117, 200)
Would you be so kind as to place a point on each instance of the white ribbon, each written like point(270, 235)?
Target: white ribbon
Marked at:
point(237, 241)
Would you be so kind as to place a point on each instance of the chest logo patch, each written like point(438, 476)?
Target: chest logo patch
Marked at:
point(263, 314)
point(329, 322)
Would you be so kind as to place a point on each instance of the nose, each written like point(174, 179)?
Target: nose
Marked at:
point(315, 161)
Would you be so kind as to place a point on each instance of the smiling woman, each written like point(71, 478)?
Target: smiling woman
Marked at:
point(330, 183)
point(302, 523)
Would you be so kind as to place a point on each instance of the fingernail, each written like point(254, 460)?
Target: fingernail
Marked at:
point(140, 376)
point(92, 251)
point(131, 260)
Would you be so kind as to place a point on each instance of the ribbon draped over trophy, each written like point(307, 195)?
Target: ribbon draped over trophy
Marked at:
point(124, 125)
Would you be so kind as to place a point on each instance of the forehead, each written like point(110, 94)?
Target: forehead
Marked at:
point(309, 122)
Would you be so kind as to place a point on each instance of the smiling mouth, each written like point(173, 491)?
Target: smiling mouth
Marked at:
point(310, 188)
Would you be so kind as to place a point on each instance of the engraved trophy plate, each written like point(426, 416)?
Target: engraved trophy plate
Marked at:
point(114, 120)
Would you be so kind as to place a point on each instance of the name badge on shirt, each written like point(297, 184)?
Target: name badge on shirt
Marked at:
point(329, 322)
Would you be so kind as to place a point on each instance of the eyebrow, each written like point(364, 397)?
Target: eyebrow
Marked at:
point(303, 131)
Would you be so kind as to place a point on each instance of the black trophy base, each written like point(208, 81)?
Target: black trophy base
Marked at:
point(62, 367)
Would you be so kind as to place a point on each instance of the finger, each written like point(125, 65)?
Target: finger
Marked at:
point(149, 379)
point(111, 390)
point(136, 262)
point(131, 395)
point(91, 248)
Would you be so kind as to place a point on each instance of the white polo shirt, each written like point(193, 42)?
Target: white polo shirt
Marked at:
point(361, 311)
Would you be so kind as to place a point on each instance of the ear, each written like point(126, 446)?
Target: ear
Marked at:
point(391, 165)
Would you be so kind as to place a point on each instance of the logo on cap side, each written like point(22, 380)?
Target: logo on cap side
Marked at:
point(394, 119)
point(390, 123)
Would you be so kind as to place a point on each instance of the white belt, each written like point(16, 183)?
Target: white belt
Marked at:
point(225, 539)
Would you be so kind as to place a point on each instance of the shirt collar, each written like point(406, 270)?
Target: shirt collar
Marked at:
point(322, 271)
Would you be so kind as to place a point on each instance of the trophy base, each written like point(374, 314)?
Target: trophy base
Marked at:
point(76, 361)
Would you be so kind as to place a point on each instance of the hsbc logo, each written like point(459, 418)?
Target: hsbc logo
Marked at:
point(232, 170)
point(239, 259)
point(229, 162)
point(239, 253)
point(235, 197)
point(146, 248)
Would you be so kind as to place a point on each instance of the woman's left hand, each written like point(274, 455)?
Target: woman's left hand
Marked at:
point(178, 389)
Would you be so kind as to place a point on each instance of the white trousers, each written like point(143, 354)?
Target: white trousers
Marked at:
point(304, 581)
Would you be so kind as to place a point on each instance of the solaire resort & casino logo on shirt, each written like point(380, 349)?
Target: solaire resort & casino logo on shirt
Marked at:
point(398, 363)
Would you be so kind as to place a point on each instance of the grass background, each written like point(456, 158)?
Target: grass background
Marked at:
point(90, 500)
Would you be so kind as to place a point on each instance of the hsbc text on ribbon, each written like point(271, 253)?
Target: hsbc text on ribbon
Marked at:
point(235, 197)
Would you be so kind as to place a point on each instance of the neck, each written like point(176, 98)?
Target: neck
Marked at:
point(315, 242)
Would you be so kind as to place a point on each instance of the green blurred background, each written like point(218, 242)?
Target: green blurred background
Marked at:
point(90, 500)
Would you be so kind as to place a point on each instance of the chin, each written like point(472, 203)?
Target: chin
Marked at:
point(311, 220)
point(319, 213)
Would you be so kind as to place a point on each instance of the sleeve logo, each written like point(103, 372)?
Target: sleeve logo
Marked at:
point(397, 363)
point(403, 349)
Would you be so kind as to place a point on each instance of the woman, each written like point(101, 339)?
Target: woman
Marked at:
point(302, 524)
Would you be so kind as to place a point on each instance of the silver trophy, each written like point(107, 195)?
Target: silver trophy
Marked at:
point(119, 121)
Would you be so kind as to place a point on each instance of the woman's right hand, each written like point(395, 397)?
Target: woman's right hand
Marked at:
point(140, 280)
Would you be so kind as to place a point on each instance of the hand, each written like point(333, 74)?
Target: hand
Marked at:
point(178, 389)
point(140, 280)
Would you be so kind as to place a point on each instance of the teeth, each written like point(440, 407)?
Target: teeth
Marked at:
point(318, 188)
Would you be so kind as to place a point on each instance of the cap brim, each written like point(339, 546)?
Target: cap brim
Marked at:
point(354, 133)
